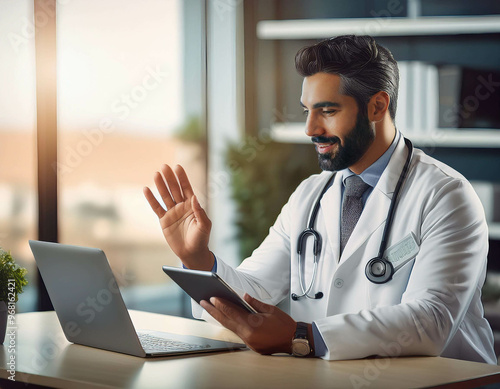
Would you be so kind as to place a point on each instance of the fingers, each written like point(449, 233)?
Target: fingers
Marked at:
point(229, 310)
point(199, 212)
point(155, 205)
point(228, 314)
point(258, 305)
point(184, 181)
point(174, 188)
point(164, 192)
point(173, 185)
point(219, 316)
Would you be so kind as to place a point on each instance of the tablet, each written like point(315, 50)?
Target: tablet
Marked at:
point(201, 285)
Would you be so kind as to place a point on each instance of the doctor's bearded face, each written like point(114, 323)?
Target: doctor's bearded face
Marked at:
point(340, 131)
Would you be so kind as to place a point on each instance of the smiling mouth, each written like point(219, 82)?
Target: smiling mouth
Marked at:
point(323, 148)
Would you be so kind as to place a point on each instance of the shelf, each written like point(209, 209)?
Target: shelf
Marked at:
point(386, 26)
point(294, 133)
point(467, 138)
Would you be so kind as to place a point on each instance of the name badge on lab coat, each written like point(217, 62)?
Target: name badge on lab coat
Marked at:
point(401, 252)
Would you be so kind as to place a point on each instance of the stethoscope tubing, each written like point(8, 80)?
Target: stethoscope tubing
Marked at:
point(392, 207)
point(316, 248)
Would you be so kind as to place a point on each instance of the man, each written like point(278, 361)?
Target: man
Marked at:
point(438, 240)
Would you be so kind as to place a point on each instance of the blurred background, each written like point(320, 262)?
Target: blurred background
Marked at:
point(211, 85)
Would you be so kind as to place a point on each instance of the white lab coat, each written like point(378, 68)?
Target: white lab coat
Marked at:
point(432, 305)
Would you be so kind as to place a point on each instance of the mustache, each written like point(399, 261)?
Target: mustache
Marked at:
point(324, 139)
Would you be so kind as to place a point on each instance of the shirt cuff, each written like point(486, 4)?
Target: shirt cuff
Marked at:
point(320, 348)
point(214, 269)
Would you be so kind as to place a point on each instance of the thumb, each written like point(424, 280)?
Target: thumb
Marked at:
point(258, 305)
point(199, 212)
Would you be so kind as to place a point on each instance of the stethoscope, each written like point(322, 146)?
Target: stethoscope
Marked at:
point(378, 270)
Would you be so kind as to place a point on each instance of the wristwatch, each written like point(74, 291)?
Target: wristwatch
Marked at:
point(300, 343)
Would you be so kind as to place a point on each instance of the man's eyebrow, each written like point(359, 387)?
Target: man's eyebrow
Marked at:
point(323, 104)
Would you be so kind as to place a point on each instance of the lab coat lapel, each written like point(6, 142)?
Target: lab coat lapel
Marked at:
point(377, 206)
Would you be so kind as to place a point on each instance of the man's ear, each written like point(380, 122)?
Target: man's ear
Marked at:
point(378, 106)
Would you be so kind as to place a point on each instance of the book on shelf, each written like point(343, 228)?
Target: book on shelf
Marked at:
point(449, 95)
point(433, 97)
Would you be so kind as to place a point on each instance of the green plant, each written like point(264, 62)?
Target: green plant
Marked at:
point(9, 271)
point(490, 291)
point(264, 174)
point(191, 131)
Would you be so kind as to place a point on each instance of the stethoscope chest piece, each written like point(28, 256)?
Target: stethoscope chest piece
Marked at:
point(379, 270)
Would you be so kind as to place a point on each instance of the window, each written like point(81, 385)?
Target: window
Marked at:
point(130, 97)
point(129, 100)
point(18, 202)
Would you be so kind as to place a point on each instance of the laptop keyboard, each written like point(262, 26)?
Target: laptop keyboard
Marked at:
point(151, 342)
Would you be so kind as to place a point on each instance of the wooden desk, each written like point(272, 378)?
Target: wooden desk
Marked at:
point(44, 357)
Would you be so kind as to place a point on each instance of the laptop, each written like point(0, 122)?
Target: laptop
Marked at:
point(91, 310)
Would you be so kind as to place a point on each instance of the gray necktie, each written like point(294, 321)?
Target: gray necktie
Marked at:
point(352, 206)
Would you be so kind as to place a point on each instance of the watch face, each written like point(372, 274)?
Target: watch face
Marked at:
point(300, 347)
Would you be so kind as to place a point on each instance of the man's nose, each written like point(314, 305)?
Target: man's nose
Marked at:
point(313, 126)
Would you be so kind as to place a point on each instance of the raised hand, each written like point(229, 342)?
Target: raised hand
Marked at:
point(184, 223)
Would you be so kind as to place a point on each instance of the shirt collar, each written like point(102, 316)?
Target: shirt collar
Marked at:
point(372, 174)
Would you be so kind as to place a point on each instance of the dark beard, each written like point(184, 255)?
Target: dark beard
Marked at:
point(355, 145)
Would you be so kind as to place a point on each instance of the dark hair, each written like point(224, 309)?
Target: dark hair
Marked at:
point(364, 67)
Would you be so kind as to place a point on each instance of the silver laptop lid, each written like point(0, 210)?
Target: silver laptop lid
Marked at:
point(86, 297)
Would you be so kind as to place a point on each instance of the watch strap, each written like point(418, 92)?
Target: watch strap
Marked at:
point(300, 343)
point(301, 332)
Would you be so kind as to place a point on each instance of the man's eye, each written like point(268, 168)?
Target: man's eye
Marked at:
point(305, 112)
point(329, 112)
